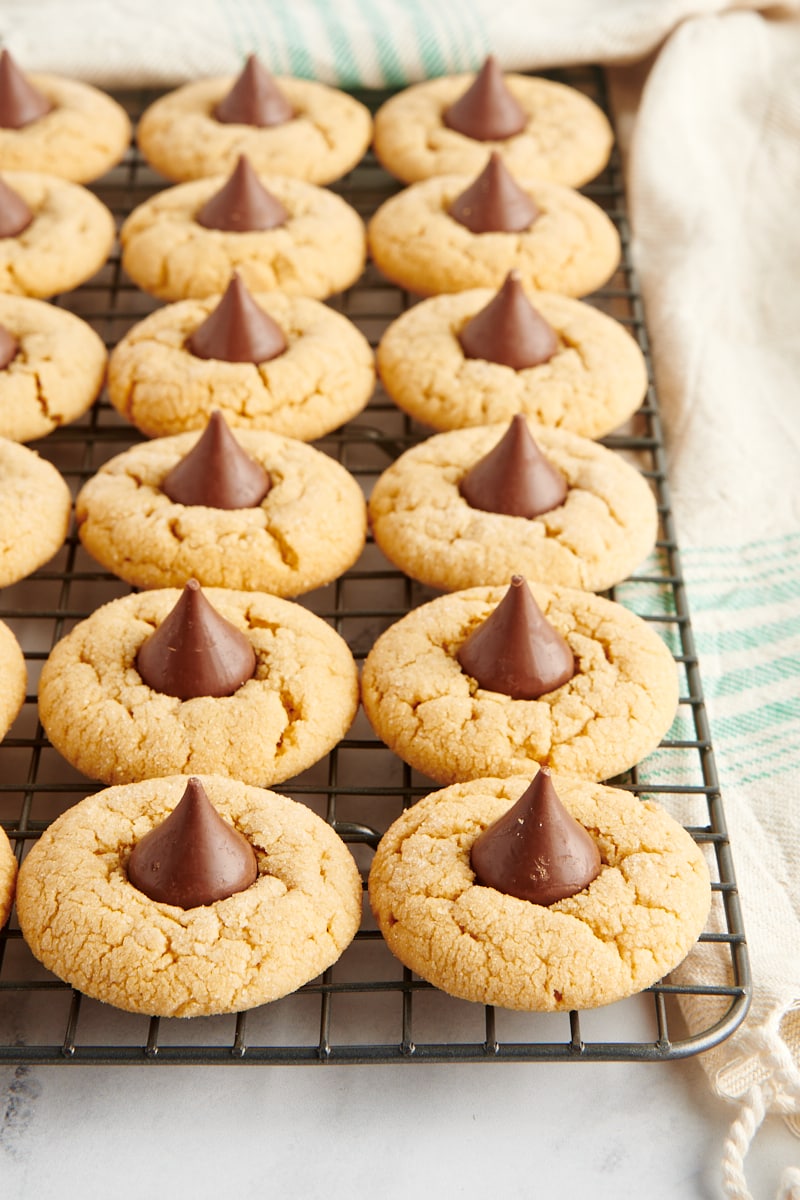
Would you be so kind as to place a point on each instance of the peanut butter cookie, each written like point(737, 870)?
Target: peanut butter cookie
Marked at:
point(325, 376)
point(89, 925)
point(101, 715)
point(8, 877)
point(604, 528)
point(14, 676)
point(35, 509)
point(595, 380)
point(636, 921)
point(607, 717)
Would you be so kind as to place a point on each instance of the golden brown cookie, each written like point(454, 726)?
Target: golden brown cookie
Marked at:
point(318, 251)
point(14, 677)
point(90, 926)
point(309, 528)
point(67, 241)
point(56, 373)
point(596, 379)
point(604, 529)
point(8, 877)
point(83, 136)
point(325, 376)
point(635, 922)
point(179, 135)
point(35, 509)
point(614, 711)
point(100, 714)
point(572, 247)
point(566, 139)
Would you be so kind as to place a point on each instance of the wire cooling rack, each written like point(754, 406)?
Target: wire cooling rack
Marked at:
point(367, 1008)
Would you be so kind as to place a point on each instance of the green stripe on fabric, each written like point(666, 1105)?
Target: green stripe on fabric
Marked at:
point(767, 749)
point(764, 717)
point(227, 12)
point(748, 597)
point(344, 62)
point(300, 61)
point(731, 574)
point(703, 553)
point(770, 772)
point(430, 53)
point(729, 641)
point(388, 60)
point(744, 679)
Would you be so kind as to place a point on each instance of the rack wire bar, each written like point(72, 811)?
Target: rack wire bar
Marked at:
point(367, 1008)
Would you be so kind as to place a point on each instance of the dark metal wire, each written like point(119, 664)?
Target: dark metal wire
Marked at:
point(367, 1008)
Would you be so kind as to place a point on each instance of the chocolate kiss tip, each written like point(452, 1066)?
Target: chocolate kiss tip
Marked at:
point(242, 204)
point(20, 102)
point(509, 330)
point(217, 472)
point(536, 851)
point(516, 651)
point(494, 202)
point(195, 651)
point(15, 214)
point(487, 111)
point(238, 330)
point(514, 478)
point(254, 99)
point(193, 857)
point(8, 347)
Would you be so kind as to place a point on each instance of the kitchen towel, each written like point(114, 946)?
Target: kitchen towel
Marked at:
point(712, 130)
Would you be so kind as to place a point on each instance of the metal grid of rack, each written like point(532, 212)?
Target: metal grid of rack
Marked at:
point(367, 1008)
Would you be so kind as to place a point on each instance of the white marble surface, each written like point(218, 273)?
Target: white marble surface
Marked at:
point(605, 1130)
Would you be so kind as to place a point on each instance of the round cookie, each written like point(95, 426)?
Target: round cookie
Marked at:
point(56, 373)
point(99, 713)
point(309, 528)
point(83, 136)
point(635, 922)
point(567, 138)
point(614, 711)
point(67, 241)
point(320, 250)
point(325, 377)
point(595, 381)
point(8, 877)
point(35, 508)
point(83, 919)
point(571, 248)
point(606, 526)
point(329, 133)
point(14, 677)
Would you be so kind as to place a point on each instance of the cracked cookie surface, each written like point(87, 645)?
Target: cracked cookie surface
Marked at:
point(35, 510)
point(309, 528)
point(56, 373)
point(567, 138)
point(14, 676)
point(324, 378)
point(90, 926)
point(109, 724)
point(603, 530)
point(328, 134)
point(67, 241)
point(8, 877)
point(572, 247)
point(635, 922)
point(320, 249)
point(83, 136)
point(596, 379)
point(614, 711)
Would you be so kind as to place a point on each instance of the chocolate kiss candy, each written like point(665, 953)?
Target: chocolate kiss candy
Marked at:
point(15, 215)
point(514, 478)
point(8, 347)
point(494, 203)
point(238, 330)
point(193, 857)
point(254, 99)
point(217, 472)
point(537, 850)
point(195, 651)
point(243, 204)
point(509, 330)
point(516, 651)
point(20, 102)
point(487, 111)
